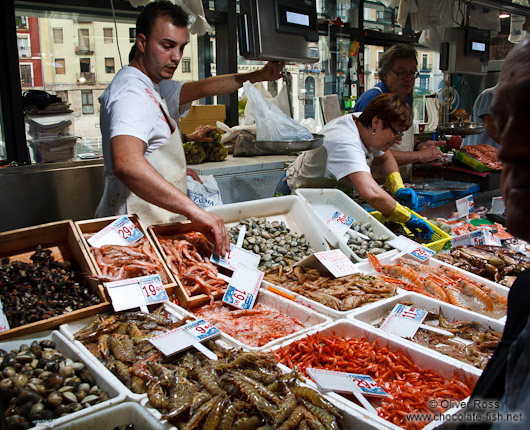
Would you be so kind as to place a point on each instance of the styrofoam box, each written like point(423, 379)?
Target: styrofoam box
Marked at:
point(64, 346)
point(368, 268)
point(115, 416)
point(288, 209)
point(70, 329)
point(348, 328)
point(302, 314)
point(375, 313)
point(319, 307)
point(324, 202)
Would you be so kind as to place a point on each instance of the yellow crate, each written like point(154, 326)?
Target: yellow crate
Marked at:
point(438, 239)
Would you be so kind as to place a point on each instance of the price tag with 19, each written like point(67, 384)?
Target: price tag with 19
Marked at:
point(243, 288)
point(136, 292)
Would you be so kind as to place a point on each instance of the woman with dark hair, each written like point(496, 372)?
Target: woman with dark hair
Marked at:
point(350, 146)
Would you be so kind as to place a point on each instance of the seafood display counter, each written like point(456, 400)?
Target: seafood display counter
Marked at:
point(303, 317)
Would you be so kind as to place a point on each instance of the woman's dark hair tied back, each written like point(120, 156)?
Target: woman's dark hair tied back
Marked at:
point(391, 108)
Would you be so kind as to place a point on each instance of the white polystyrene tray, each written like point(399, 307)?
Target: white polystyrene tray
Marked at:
point(368, 268)
point(302, 314)
point(375, 312)
point(288, 209)
point(64, 346)
point(319, 307)
point(115, 416)
point(73, 327)
point(348, 328)
point(323, 202)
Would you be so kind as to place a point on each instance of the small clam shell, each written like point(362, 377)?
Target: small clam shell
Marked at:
point(9, 372)
point(66, 388)
point(84, 387)
point(54, 398)
point(90, 400)
point(70, 397)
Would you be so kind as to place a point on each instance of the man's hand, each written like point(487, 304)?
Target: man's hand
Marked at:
point(199, 135)
point(270, 72)
point(193, 174)
point(430, 144)
point(216, 225)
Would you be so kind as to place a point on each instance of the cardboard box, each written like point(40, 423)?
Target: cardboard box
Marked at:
point(65, 244)
point(202, 115)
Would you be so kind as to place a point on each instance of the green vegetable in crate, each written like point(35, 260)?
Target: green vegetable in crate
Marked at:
point(194, 153)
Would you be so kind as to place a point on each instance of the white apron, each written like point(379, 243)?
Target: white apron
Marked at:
point(168, 160)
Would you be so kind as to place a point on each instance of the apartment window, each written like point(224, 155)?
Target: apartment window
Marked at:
point(109, 65)
point(424, 82)
point(132, 35)
point(24, 49)
point(87, 101)
point(57, 35)
point(108, 35)
point(424, 61)
point(25, 75)
point(60, 66)
point(186, 65)
point(21, 21)
point(84, 39)
point(84, 64)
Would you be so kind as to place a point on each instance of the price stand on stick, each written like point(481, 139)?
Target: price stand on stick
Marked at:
point(334, 261)
point(243, 288)
point(136, 292)
point(4, 324)
point(409, 247)
point(189, 335)
point(235, 257)
point(472, 238)
point(349, 383)
point(404, 321)
point(465, 206)
point(339, 223)
point(120, 232)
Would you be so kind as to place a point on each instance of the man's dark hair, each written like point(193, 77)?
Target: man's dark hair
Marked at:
point(173, 13)
point(396, 52)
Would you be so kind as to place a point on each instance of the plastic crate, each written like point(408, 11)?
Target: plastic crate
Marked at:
point(438, 239)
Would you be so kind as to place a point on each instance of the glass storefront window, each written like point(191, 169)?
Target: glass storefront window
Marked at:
point(381, 18)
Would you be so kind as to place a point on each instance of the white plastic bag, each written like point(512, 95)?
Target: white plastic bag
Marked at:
point(204, 195)
point(271, 123)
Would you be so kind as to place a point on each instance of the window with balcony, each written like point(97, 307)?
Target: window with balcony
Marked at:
point(26, 78)
point(108, 35)
point(24, 48)
point(186, 65)
point(60, 66)
point(109, 65)
point(84, 65)
point(87, 101)
point(57, 35)
point(84, 40)
point(132, 35)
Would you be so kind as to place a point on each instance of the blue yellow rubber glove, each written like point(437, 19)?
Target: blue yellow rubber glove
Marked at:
point(395, 184)
point(417, 225)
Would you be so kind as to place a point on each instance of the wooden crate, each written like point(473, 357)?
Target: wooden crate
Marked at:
point(93, 226)
point(155, 231)
point(65, 244)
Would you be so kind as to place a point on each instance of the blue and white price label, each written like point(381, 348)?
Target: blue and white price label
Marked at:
point(184, 337)
point(136, 292)
point(235, 257)
point(408, 246)
point(339, 223)
point(4, 324)
point(404, 321)
point(342, 382)
point(121, 232)
point(243, 288)
point(465, 206)
point(473, 238)
point(489, 238)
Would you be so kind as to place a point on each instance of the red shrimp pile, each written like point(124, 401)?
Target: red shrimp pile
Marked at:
point(184, 259)
point(122, 262)
point(411, 387)
point(254, 327)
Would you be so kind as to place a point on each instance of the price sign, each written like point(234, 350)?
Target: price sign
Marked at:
point(181, 338)
point(342, 382)
point(415, 250)
point(120, 232)
point(489, 238)
point(472, 238)
point(336, 262)
point(465, 206)
point(243, 288)
point(4, 325)
point(136, 292)
point(497, 205)
point(235, 257)
point(404, 321)
point(339, 223)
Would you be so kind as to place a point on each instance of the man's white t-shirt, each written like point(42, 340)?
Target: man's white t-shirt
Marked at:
point(132, 105)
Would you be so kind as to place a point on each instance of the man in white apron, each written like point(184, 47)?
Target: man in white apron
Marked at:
point(397, 71)
point(145, 167)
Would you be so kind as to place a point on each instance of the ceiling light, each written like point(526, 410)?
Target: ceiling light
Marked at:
point(503, 15)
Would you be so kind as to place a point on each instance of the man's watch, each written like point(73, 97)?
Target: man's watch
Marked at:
point(184, 138)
